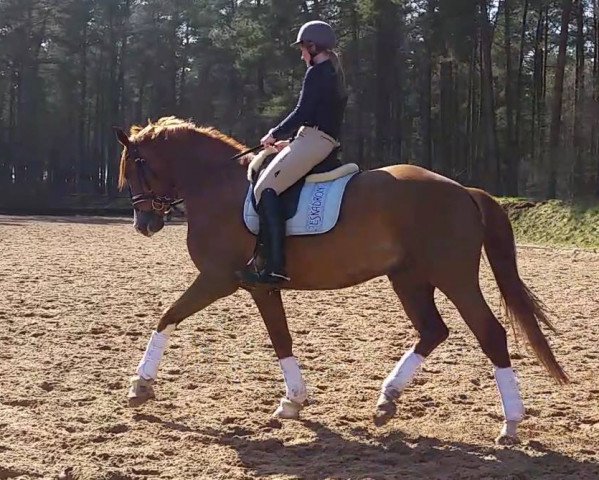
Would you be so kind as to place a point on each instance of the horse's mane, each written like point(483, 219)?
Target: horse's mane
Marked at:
point(173, 126)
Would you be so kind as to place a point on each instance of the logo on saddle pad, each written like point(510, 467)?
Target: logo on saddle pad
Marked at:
point(317, 211)
point(315, 207)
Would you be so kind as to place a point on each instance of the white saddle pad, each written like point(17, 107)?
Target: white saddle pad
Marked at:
point(317, 210)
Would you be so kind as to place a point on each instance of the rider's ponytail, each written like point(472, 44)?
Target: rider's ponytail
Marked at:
point(340, 73)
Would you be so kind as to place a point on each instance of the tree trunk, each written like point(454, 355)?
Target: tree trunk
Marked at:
point(172, 64)
point(595, 134)
point(488, 97)
point(359, 138)
point(472, 125)
point(184, 65)
point(401, 131)
point(556, 106)
point(578, 133)
point(510, 174)
point(82, 106)
point(537, 80)
point(425, 90)
point(12, 105)
point(545, 52)
point(4, 170)
point(386, 71)
point(30, 100)
point(519, 100)
point(447, 117)
point(112, 166)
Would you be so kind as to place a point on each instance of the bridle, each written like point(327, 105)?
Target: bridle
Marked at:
point(161, 204)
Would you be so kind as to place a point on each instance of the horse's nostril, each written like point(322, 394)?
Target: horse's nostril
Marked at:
point(147, 223)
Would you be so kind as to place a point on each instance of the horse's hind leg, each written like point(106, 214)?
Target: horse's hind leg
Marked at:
point(205, 290)
point(417, 298)
point(469, 300)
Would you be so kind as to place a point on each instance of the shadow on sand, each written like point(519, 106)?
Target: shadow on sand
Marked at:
point(331, 455)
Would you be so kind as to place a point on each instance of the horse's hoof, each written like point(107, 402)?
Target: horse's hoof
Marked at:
point(385, 410)
point(508, 434)
point(140, 391)
point(507, 440)
point(288, 409)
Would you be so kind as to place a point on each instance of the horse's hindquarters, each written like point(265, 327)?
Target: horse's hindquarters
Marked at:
point(392, 219)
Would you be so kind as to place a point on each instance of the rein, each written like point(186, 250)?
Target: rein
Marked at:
point(161, 204)
point(251, 150)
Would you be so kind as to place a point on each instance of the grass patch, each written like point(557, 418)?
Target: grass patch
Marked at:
point(554, 222)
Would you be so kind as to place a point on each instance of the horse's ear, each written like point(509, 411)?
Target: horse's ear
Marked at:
point(121, 136)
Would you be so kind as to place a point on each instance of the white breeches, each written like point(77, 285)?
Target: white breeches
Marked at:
point(308, 149)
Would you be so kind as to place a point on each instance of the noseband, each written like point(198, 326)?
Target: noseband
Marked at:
point(161, 204)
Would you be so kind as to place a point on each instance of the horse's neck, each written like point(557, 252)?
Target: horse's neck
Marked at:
point(208, 179)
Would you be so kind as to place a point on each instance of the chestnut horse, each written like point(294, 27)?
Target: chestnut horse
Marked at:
point(420, 229)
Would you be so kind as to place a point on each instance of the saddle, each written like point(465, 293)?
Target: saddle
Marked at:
point(312, 204)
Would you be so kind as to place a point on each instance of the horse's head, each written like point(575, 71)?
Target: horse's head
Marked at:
point(148, 165)
point(149, 180)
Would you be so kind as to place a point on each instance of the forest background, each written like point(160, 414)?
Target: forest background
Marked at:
point(503, 95)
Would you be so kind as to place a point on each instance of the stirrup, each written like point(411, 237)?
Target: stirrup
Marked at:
point(279, 276)
point(263, 278)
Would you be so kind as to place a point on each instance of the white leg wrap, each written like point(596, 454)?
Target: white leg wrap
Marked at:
point(148, 366)
point(402, 374)
point(507, 383)
point(295, 388)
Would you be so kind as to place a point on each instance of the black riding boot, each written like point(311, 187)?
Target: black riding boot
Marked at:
point(273, 236)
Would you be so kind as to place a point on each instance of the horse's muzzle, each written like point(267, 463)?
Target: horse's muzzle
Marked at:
point(147, 223)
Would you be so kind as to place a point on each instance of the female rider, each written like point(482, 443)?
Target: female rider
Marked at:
point(316, 120)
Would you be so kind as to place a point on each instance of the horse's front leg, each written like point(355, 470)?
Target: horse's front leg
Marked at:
point(205, 290)
point(271, 308)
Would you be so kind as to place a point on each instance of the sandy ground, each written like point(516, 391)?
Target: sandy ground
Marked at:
point(80, 296)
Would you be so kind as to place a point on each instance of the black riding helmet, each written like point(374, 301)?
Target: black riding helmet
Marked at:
point(319, 33)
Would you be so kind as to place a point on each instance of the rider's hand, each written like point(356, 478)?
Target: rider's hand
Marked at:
point(268, 139)
point(280, 145)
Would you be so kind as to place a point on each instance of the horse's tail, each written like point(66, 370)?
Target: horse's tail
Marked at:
point(523, 309)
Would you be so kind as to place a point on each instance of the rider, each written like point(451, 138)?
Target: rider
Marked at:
point(316, 122)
